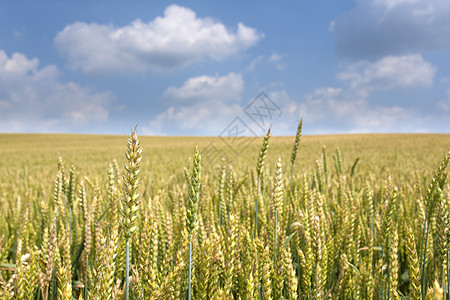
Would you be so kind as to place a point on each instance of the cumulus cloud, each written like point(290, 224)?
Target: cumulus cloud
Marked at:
point(353, 108)
point(208, 117)
point(204, 103)
point(34, 99)
point(203, 88)
point(209, 103)
point(376, 28)
point(275, 59)
point(389, 72)
point(331, 109)
point(176, 39)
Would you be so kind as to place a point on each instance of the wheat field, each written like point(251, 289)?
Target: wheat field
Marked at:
point(305, 217)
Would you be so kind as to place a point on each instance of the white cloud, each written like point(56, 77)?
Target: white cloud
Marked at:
point(203, 88)
point(274, 59)
point(329, 107)
point(376, 28)
point(351, 108)
point(209, 117)
point(338, 110)
point(328, 103)
point(393, 3)
point(176, 39)
point(34, 99)
point(204, 103)
point(200, 105)
point(258, 60)
point(389, 72)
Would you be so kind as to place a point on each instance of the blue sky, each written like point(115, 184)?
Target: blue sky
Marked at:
point(198, 67)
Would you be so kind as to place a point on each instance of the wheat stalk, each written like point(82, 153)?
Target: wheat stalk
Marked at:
point(192, 208)
point(130, 201)
point(277, 201)
point(259, 170)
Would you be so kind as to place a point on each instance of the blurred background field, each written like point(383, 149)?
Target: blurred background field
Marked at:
point(37, 154)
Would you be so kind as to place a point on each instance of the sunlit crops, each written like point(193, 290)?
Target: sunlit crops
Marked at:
point(366, 216)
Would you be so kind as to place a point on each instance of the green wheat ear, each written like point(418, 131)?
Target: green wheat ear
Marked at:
point(298, 136)
point(277, 202)
point(192, 208)
point(259, 169)
point(262, 154)
point(130, 204)
point(194, 191)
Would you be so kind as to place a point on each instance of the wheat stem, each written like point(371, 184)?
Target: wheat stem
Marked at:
point(127, 268)
point(190, 268)
point(259, 170)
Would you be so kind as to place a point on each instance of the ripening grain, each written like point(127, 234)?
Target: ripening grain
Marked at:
point(356, 217)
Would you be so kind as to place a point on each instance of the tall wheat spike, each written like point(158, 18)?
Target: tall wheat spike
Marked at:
point(259, 170)
point(192, 208)
point(277, 201)
point(130, 200)
point(413, 265)
point(432, 195)
point(222, 175)
point(298, 137)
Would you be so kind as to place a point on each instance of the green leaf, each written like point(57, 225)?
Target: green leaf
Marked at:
point(288, 239)
point(8, 267)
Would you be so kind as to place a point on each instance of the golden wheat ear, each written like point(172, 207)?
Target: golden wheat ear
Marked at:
point(130, 199)
point(259, 170)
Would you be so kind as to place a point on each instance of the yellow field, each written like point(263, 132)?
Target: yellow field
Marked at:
point(92, 153)
point(381, 230)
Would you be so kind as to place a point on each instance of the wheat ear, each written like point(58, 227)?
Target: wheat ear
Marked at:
point(192, 209)
point(130, 204)
point(259, 169)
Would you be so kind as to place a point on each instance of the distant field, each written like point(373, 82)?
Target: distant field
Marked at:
point(92, 153)
point(364, 216)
